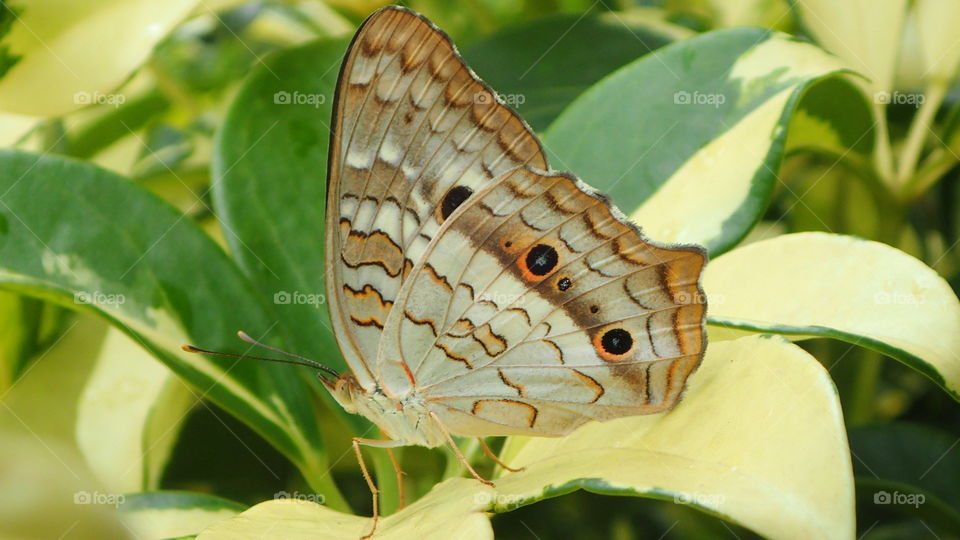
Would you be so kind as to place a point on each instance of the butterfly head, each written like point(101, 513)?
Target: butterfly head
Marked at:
point(344, 388)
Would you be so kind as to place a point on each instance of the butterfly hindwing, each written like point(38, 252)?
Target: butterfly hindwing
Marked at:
point(538, 307)
point(410, 123)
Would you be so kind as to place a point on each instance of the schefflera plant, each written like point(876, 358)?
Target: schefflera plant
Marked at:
point(686, 140)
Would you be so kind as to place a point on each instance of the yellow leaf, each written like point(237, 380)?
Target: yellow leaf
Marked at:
point(75, 53)
point(452, 509)
point(929, 50)
point(718, 182)
point(46, 490)
point(758, 438)
point(174, 514)
point(766, 13)
point(863, 292)
point(129, 415)
point(865, 33)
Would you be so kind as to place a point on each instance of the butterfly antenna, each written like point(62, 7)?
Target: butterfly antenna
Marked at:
point(298, 360)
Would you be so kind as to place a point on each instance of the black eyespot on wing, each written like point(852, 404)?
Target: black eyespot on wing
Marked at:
point(541, 259)
point(453, 199)
point(616, 341)
point(564, 283)
point(594, 309)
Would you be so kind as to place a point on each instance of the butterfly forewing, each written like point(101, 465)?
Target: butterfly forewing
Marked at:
point(414, 134)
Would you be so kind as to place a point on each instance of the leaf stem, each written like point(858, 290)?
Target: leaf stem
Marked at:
point(318, 477)
point(919, 130)
point(864, 391)
point(454, 468)
point(386, 481)
point(883, 154)
point(934, 167)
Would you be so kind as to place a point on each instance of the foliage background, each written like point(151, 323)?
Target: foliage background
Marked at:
point(889, 175)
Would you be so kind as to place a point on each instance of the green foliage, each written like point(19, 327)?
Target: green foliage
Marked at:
point(180, 198)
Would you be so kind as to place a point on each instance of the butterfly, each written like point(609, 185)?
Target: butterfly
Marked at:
point(474, 291)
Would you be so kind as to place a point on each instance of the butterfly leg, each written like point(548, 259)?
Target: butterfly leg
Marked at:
point(374, 492)
point(488, 452)
point(456, 450)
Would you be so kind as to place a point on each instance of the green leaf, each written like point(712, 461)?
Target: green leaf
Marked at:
point(834, 116)
point(542, 65)
point(8, 14)
point(758, 439)
point(116, 123)
point(269, 190)
point(165, 149)
point(765, 13)
point(18, 324)
point(91, 240)
point(688, 140)
point(907, 468)
point(823, 285)
point(173, 514)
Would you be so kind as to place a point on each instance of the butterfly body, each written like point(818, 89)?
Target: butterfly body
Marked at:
point(406, 420)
